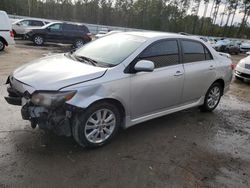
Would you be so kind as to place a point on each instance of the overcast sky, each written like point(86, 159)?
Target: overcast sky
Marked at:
point(237, 18)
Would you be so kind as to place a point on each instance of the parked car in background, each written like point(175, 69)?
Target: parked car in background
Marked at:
point(102, 33)
point(118, 81)
point(242, 70)
point(245, 47)
point(6, 33)
point(232, 48)
point(227, 46)
point(19, 27)
point(109, 33)
point(59, 32)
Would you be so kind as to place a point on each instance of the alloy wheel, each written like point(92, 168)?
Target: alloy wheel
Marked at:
point(1, 45)
point(100, 126)
point(213, 97)
point(38, 40)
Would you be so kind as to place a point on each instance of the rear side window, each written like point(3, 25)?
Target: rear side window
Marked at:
point(83, 28)
point(162, 53)
point(36, 23)
point(194, 51)
point(70, 27)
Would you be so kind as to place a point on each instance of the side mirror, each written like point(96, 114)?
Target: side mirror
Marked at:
point(248, 53)
point(48, 28)
point(144, 66)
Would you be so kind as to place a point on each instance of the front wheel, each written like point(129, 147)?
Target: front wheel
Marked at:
point(2, 45)
point(38, 40)
point(97, 125)
point(212, 97)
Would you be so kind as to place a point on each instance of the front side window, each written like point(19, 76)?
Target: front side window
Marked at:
point(194, 51)
point(162, 53)
point(56, 27)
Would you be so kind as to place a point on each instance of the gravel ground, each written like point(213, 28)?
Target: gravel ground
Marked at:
point(184, 149)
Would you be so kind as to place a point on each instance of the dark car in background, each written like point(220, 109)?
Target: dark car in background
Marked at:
point(227, 46)
point(59, 32)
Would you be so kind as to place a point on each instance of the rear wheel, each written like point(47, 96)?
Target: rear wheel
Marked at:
point(38, 40)
point(78, 43)
point(212, 97)
point(97, 125)
point(2, 45)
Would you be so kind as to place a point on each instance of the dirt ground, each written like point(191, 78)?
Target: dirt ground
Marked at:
point(184, 149)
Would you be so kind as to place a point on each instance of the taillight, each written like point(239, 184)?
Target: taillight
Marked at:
point(12, 34)
point(233, 66)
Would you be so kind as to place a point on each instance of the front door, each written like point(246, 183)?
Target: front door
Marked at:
point(152, 92)
point(54, 33)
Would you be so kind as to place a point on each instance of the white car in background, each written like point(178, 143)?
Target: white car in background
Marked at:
point(20, 27)
point(242, 70)
point(245, 47)
point(6, 33)
point(101, 33)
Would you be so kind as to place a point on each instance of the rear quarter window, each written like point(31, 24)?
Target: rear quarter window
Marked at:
point(83, 28)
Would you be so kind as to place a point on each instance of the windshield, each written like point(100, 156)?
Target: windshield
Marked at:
point(111, 49)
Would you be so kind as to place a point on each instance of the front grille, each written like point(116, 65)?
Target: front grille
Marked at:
point(245, 75)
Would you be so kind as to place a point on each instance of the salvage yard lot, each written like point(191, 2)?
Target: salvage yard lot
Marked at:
point(184, 149)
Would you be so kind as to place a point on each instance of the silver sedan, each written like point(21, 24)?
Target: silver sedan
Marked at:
point(119, 81)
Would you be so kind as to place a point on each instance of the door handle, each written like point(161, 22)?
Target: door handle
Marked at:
point(211, 67)
point(178, 73)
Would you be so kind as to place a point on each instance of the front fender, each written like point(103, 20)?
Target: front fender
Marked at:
point(86, 96)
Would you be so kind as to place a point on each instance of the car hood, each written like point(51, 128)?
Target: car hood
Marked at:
point(56, 72)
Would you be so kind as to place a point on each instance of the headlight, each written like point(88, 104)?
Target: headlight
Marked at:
point(51, 99)
point(241, 63)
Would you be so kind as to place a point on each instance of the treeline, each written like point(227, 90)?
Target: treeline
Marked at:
point(162, 15)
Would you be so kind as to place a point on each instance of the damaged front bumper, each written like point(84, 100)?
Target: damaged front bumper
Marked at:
point(57, 119)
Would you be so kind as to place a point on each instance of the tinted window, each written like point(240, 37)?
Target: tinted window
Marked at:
point(163, 53)
point(84, 29)
point(193, 51)
point(36, 23)
point(208, 54)
point(55, 27)
point(70, 27)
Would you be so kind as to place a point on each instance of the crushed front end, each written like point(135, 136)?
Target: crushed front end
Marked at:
point(47, 109)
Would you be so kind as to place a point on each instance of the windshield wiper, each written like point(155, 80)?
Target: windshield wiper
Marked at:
point(83, 58)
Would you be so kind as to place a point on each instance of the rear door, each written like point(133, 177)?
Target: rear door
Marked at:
point(152, 92)
point(70, 33)
point(199, 68)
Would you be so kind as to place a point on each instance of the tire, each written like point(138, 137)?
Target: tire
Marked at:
point(211, 100)
point(86, 123)
point(78, 43)
point(38, 40)
point(2, 45)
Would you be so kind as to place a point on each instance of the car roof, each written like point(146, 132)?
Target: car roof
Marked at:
point(155, 34)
